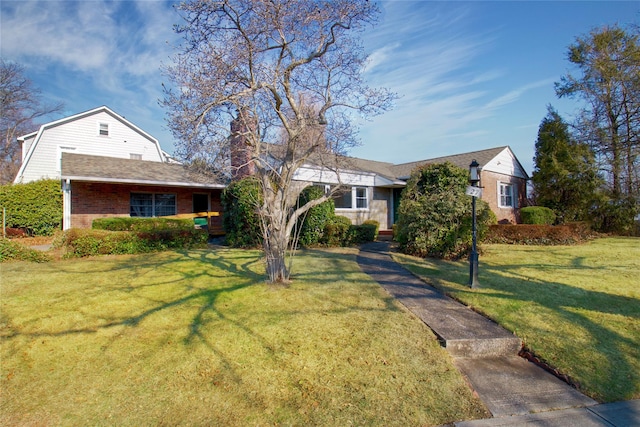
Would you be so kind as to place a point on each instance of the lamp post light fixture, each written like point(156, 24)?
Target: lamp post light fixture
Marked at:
point(474, 191)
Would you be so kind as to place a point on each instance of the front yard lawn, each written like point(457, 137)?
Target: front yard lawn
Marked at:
point(198, 338)
point(576, 307)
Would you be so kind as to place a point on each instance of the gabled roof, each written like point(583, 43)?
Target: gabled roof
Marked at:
point(462, 160)
point(390, 175)
point(104, 109)
point(82, 167)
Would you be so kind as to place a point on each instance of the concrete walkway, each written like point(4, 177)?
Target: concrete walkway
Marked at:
point(515, 391)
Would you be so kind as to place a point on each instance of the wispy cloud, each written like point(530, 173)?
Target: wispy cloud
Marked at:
point(516, 93)
point(118, 43)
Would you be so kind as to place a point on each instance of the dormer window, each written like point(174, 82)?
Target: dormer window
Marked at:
point(103, 129)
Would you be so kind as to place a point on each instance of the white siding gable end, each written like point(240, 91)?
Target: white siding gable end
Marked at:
point(506, 163)
point(99, 132)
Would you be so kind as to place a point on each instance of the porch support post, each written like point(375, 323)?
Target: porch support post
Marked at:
point(66, 204)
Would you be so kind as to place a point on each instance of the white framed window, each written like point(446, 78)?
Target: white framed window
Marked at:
point(506, 194)
point(152, 204)
point(352, 198)
point(361, 196)
point(103, 129)
point(348, 197)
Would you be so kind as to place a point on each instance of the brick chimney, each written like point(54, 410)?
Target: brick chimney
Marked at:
point(241, 150)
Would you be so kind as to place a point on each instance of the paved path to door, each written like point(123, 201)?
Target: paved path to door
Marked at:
point(515, 391)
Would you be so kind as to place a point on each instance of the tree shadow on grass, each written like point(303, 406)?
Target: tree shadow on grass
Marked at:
point(611, 368)
point(194, 280)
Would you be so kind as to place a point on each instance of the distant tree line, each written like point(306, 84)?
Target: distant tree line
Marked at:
point(588, 169)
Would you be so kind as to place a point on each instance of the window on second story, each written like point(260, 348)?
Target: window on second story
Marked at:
point(103, 129)
point(506, 195)
point(134, 156)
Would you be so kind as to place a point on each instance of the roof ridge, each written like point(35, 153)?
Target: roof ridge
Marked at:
point(466, 153)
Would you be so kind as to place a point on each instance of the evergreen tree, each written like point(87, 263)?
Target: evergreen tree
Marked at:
point(565, 177)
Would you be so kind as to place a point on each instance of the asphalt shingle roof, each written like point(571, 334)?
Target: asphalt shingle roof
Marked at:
point(462, 160)
point(84, 167)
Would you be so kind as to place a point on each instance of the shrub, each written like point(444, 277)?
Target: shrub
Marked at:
point(435, 214)
point(336, 231)
point(539, 215)
point(13, 251)
point(615, 216)
point(35, 206)
point(377, 227)
point(312, 226)
point(241, 222)
point(358, 234)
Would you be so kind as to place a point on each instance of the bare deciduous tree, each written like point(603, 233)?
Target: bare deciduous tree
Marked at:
point(608, 81)
point(20, 106)
point(289, 72)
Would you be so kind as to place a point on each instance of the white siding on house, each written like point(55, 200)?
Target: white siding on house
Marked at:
point(505, 163)
point(330, 177)
point(27, 144)
point(80, 134)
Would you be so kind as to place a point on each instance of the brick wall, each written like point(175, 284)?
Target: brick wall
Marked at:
point(491, 195)
point(99, 200)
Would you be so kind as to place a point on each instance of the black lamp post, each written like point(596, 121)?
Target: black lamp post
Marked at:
point(474, 179)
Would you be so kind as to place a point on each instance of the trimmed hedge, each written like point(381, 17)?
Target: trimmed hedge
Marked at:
point(35, 206)
point(84, 242)
point(339, 231)
point(531, 234)
point(362, 233)
point(539, 215)
point(14, 251)
point(126, 223)
point(336, 231)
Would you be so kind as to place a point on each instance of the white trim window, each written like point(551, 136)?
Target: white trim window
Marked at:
point(152, 204)
point(352, 198)
point(506, 193)
point(103, 129)
point(348, 197)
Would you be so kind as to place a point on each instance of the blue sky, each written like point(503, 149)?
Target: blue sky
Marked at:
point(470, 75)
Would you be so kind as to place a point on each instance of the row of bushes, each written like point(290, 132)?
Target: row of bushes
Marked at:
point(531, 234)
point(14, 251)
point(125, 235)
point(319, 226)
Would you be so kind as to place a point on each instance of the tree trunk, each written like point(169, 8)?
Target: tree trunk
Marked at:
point(275, 232)
point(275, 245)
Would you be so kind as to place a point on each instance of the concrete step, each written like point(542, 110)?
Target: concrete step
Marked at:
point(511, 386)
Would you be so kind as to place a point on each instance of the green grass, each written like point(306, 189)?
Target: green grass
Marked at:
point(198, 338)
point(576, 307)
